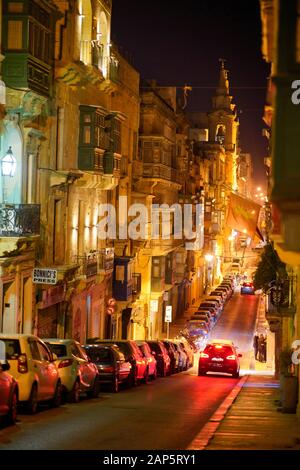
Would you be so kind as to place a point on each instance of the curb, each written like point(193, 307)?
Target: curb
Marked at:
point(202, 439)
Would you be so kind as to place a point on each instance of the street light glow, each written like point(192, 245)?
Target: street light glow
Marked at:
point(8, 164)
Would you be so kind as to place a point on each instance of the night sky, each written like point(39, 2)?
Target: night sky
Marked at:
point(179, 43)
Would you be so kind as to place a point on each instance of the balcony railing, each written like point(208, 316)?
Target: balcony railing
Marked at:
point(98, 262)
point(106, 260)
point(19, 220)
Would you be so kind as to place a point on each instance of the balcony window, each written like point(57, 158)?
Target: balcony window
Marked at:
point(28, 44)
point(15, 35)
point(122, 278)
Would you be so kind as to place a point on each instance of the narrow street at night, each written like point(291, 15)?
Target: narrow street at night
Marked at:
point(149, 230)
point(165, 414)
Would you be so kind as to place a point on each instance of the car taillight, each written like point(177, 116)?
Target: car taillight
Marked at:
point(22, 364)
point(204, 355)
point(65, 363)
point(108, 369)
point(231, 358)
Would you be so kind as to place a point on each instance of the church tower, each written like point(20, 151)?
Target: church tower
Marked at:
point(223, 124)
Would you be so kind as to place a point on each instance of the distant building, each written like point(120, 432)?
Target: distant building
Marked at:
point(245, 175)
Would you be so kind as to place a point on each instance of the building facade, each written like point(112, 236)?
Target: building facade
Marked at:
point(280, 48)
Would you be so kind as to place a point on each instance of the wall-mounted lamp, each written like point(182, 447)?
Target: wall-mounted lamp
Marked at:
point(8, 164)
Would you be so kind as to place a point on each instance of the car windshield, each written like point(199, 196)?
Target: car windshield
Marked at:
point(124, 347)
point(12, 348)
point(100, 355)
point(155, 347)
point(59, 349)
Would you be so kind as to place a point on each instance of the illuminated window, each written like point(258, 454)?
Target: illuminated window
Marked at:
point(86, 135)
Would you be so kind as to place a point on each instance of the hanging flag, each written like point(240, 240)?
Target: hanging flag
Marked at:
point(242, 214)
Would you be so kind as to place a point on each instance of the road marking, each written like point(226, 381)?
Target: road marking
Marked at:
point(201, 441)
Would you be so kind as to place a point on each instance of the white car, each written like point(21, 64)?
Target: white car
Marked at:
point(33, 365)
point(77, 373)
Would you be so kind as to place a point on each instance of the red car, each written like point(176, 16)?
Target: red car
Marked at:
point(8, 395)
point(219, 356)
point(149, 358)
point(132, 353)
point(162, 357)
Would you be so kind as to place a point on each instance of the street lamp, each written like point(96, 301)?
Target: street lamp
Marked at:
point(8, 168)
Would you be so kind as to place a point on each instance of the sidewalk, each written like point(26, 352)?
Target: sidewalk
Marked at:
point(253, 422)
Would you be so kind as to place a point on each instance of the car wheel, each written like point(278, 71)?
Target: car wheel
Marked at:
point(96, 389)
point(236, 375)
point(154, 375)
point(115, 384)
point(11, 418)
point(146, 376)
point(201, 372)
point(32, 403)
point(133, 378)
point(57, 398)
point(74, 395)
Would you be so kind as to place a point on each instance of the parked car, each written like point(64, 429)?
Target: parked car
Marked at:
point(9, 394)
point(162, 357)
point(111, 364)
point(219, 293)
point(207, 305)
point(77, 373)
point(225, 288)
point(174, 356)
point(197, 327)
point(132, 354)
point(219, 299)
point(149, 358)
point(211, 310)
point(219, 356)
point(182, 358)
point(189, 352)
point(247, 288)
point(32, 364)
point(204, 315)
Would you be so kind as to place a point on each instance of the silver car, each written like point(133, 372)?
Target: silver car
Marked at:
point(76, 371)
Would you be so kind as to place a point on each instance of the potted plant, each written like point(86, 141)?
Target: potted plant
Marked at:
point(288, 382)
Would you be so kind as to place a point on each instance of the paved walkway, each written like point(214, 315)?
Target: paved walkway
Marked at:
point(253, 421)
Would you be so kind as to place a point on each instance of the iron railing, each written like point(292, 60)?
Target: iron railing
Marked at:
point(19, 220)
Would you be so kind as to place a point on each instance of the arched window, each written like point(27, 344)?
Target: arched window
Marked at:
point(85, 14)
point(104, 40)
point(11, 142)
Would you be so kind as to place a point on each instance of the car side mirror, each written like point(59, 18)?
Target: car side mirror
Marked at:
point(5, 366)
